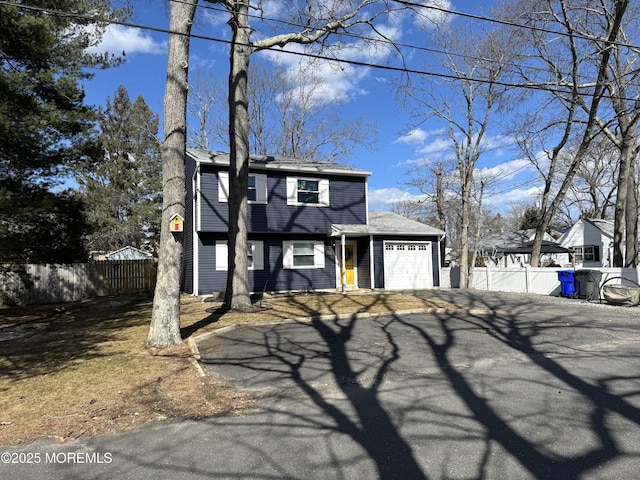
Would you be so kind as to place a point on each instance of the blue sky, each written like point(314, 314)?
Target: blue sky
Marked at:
point(365, 91)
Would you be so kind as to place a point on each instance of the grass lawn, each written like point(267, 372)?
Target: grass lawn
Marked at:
point(81, 368)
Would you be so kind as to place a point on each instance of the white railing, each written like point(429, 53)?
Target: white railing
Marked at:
point(532, 280)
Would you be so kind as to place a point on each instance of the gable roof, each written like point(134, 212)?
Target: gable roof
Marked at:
point(266, 162)
point(520, 241)
point(384, 222)
point(506, 239)
point(602, 227)
point(128, 253)
point(605, 226)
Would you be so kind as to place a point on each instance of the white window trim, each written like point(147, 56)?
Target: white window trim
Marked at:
point(287, 255)
point(261, 188)
point(323, 192)
point(222, 255)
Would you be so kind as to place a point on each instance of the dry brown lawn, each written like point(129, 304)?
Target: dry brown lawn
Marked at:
point(81, 368)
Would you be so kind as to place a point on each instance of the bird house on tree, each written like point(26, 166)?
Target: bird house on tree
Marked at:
point(176, 224)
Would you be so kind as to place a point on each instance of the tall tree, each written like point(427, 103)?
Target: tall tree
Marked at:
point(474, 67)
point(165, 317)
point(123, 189)
point(593, 191)
point(45, 128)
point(318, 20)
point(286, 119)
point(566, 68)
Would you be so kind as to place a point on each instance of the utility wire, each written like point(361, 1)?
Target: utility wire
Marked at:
point(405, 70)
point(415, 5)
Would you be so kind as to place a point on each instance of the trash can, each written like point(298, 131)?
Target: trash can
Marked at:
point(567, 282)
point(588, 283)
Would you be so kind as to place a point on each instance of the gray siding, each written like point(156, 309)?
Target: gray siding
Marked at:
point(363, 261)
point(186, 280)
point(379, 256)
point(346, 196)
point(273, 278)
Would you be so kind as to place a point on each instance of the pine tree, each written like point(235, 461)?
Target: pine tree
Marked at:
point(123, 187)
point(45, 128)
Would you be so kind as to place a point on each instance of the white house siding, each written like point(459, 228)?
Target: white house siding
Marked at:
point(584, 234)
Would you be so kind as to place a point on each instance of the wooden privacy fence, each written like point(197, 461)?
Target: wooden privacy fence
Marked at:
point(37, 284)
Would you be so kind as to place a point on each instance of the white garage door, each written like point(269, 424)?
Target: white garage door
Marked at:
point(407, 265)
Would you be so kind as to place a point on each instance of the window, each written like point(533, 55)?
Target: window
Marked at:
point(308, 191)
point(255, 255)
point(256, 189)
point(587, 253)
point(303, 254)
point(252, 194)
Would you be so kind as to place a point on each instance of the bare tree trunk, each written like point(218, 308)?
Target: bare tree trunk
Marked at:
point(165, 318)
point(237, 292)
point(442, 218)
point(587, 137)
point(620, 210)
point(466, 182)
point(476, 237)
point(631, 217)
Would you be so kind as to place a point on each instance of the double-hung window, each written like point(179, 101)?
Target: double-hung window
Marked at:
point(303, 254)
point(255, 255)
point(308, 191)
point(256, 188)
point(252, 193)
point(587, 253)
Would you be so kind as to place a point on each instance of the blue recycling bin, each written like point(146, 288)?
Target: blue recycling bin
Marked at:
point(567, 279)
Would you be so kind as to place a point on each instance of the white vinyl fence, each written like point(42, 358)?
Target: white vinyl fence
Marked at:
point(533, 280)
point(38, 284)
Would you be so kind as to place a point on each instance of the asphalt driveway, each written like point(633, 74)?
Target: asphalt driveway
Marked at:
point(509, 386)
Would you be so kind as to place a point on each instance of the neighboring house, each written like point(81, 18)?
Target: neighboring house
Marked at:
point(591, 241)
point(128, 253)
point(513, 249)
point(303, 219)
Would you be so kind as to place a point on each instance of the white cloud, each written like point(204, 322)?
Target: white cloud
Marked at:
point(385, 197)
point(439, 145)
point(118, 39)
point(417, 135)
point(340, 81)
point(511, 197)
point(505, 171)
point(427, 17)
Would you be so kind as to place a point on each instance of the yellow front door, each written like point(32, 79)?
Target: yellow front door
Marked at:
point(349, 264)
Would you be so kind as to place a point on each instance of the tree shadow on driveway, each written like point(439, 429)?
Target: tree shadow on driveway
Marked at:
point(529, 394)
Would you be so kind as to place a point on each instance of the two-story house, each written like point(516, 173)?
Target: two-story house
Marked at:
point(309, 229)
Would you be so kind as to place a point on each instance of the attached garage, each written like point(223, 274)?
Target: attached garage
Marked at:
point(393, 252)
point(407, 265)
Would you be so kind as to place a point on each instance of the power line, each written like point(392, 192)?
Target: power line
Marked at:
point(383, 40)
point(404, 70)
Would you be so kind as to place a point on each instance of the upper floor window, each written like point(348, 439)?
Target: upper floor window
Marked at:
point(252, 193)
point(256, 189)
point(308, 191)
